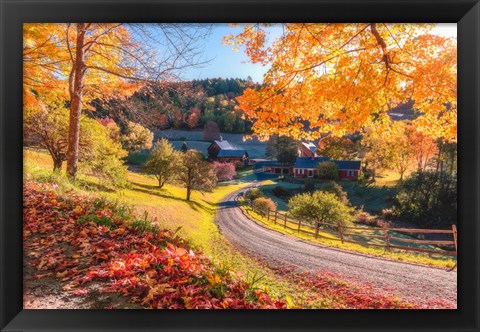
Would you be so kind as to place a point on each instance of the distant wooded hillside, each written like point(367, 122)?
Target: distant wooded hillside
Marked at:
point(186, 105)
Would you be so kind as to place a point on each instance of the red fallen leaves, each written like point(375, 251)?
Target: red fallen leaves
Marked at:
point(82, 239)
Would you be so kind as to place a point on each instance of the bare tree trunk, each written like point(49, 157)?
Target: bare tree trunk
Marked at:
point(189, 191)
point(439, 157)
point(452, 160)
point(76, 103)
point(57, 164)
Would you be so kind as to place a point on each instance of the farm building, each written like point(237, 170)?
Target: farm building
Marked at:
point(307, 150)
point(306, 163)
point(307, 167)
point(222, 150)
point(274, 167)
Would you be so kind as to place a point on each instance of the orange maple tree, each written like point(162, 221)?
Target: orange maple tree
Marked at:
point(86, 61)
point(337, 78)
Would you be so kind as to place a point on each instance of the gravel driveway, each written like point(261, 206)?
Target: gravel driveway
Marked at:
point(418, 284)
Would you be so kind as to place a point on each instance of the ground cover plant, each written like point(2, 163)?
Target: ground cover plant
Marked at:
point(81, 239)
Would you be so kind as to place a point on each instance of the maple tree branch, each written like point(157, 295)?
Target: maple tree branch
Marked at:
point(92, 42)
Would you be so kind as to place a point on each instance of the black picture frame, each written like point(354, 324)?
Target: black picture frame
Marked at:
point(466, 13)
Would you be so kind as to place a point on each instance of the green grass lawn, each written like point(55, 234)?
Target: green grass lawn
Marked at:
point(372, 198)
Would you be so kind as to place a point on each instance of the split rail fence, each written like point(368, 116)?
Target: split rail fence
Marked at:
point(347, 234)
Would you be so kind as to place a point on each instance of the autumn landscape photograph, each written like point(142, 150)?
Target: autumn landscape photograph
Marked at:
point(239, 166)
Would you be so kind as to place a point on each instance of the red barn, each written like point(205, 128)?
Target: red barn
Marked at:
point(307, 167)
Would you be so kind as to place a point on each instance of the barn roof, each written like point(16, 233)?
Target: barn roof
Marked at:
point(225, 145)
point(306, 162)
point(347, 164)
point(229, 150)
point(231, 153)
point(309, 145)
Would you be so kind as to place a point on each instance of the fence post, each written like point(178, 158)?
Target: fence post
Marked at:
point(275, 219)
point(454, 231)
point(285, 222)
point(299, 224)
point(340, 230)
point(387, 239)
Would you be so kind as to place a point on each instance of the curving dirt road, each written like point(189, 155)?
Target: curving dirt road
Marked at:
point(418, 284)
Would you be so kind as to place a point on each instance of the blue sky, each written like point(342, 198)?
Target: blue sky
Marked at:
point(226, 62)
point(230, 64)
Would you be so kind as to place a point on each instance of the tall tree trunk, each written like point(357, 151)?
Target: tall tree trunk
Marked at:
point(57, 164)
point(76, 91)
point(452, 159)
point(189, 183)
point(439, 157)
point(189, 191)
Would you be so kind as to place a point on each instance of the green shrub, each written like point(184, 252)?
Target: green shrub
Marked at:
point(136, 137)
point(309, 186)
point(138, 158)
point(280, 191)
point(253, 194)
point(163, 162)
point(428, 198)
point(388, 214)
point(102, 156)
point(333, 187)
point(320, 207)
point(327, 170)
point(364, 217)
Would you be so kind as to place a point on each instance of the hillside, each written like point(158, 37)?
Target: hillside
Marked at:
point(92, 242)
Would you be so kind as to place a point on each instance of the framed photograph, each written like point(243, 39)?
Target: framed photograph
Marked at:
point(279, 161)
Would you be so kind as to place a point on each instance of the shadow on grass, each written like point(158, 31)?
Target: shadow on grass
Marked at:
point(91, 186)
point(372, 198)
point(155, 191)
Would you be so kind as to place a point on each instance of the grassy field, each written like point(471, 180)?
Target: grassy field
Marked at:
point(194, 220)
point(372, 198)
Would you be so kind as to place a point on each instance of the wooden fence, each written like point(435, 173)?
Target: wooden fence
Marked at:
point(345, 234)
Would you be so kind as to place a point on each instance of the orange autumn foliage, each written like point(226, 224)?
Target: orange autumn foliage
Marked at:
point(338, 78)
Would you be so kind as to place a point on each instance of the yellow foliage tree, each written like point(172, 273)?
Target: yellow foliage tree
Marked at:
point(338, 78)
point(101, 60)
